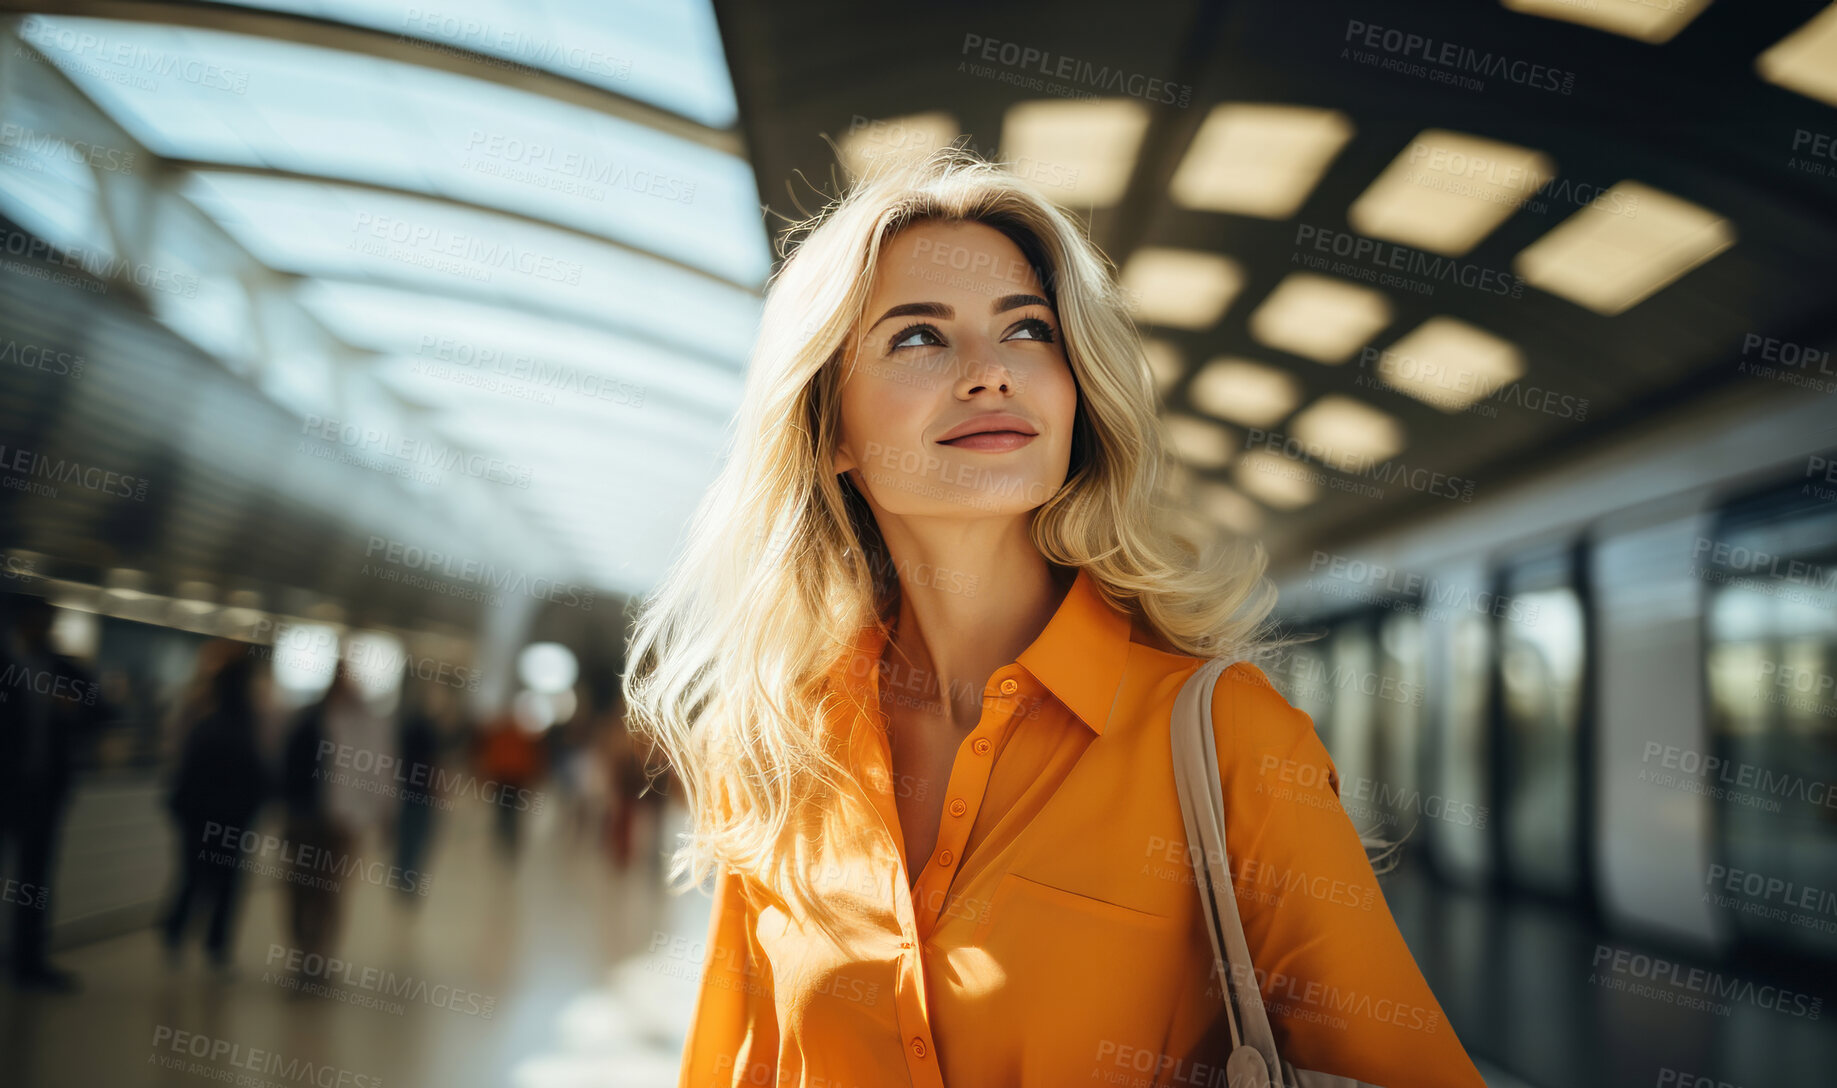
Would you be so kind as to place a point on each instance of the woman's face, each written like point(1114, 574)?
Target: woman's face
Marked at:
point(957, 400)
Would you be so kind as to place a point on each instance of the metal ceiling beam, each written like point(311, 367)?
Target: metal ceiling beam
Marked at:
point(203, 166)
point(457, 292)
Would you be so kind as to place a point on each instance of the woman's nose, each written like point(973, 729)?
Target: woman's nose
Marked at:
point(980, 376)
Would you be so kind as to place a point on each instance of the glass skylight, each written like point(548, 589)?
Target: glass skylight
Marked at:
point(666, 54)
point(517, 354)
point(302, 109)
point(337, 232)
point(462, 262)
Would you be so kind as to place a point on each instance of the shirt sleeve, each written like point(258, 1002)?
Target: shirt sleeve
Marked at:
point(733, 1034)
point(1343, 992)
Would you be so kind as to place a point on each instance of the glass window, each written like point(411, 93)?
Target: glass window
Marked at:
point(1541, 655)
point(1351, 738)
point(1463, 756)
point(1771, 656)
point(1399, 706)
point(1301, 677)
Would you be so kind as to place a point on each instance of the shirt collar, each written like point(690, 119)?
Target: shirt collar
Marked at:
point(1079, 656)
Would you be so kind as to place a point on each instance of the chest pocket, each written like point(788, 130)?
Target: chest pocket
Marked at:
point(1075, 973)
point(1050, 942)
point(1021, 902)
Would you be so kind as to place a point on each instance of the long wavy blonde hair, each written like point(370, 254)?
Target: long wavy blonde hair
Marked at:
point(784, 563)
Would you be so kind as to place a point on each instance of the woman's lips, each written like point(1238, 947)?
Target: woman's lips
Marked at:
point(991, 441)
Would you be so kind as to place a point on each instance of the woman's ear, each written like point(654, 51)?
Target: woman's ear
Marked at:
point(843, 459)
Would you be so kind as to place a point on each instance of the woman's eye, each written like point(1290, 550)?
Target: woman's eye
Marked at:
point(916, 337)
point(1034, 328)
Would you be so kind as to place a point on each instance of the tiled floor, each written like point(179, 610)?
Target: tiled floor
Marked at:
point(556, 944)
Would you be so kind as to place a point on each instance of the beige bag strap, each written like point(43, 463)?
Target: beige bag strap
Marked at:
point(1253, 1062)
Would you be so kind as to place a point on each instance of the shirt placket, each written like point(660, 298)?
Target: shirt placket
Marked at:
point(909, 1000)
point(918, 912)
point(969, 782)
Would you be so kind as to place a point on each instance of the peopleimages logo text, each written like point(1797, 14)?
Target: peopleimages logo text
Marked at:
point(475, 572)
point(427, 776)
point(1458, 58)
point(1043, 62)
point(1414, 262)
point(171, 1046)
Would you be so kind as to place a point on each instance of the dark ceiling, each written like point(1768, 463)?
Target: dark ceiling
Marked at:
point(1690, 117)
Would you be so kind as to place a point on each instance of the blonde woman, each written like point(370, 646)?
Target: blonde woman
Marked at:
point(914, 670)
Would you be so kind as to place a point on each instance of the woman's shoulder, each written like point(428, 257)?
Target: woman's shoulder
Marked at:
point(1156, 652)
point(1259, 736)
point(1249, 714)
point(1263, 737)
point(1241, 685)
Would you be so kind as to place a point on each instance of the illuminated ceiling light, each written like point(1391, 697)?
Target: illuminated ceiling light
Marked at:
point(1448, 190)
point(1200, 442)
point(1164, 362)
point(1805, 60)
point(1278, 481)
point(1347, 431)
point(234, 618)
point(310, 659)
point(1642, 20)
point(125, 584)
point(1608, 262)
point(1228, 507)
point(75, 631)
point(193, 597)
point(1183, 288)
point(547, 667)
point(1242, 391)
point(374, 661)
point(1091, 144)
point(1449, 364)
point(876, 145)
point(1260, 160)
point(1319, 317)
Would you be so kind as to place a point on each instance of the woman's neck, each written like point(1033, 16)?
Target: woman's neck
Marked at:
point(972, 597)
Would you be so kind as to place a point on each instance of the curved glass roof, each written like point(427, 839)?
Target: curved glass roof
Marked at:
point(518, 228)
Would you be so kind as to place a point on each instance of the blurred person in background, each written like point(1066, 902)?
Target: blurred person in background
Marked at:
point(638, 801)
point(510, 756)
point(426, 722)
point(329, 809)
point(49, 709)
point(193, 704)
point(222, 780)
point(585, 779)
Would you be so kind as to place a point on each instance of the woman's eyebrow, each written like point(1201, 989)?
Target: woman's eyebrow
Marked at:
point(918, 309)
point(943, 312)
point(1015, 302)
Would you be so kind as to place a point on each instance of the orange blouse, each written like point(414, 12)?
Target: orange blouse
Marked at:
point(1055, 936)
